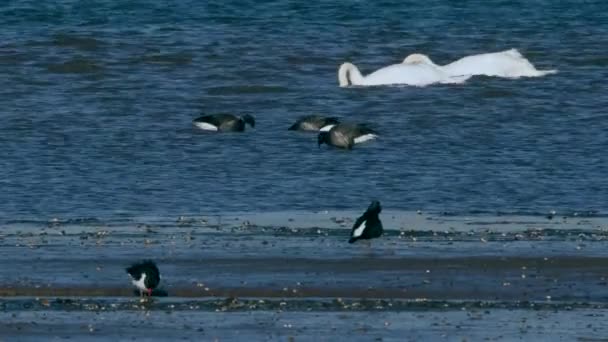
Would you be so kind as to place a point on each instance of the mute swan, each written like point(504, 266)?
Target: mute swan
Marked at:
point(509, 64)
point(224, 122)
point(312, 123)
point(409, 74)
point(345, 135)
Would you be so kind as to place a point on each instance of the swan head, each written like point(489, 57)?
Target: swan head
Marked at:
point(417, 58)
point(343, 73)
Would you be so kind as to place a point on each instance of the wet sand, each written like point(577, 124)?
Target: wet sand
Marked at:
point(470, 324)
point(293, 276)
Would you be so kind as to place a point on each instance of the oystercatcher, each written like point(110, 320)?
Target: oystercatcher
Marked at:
point(145, 276)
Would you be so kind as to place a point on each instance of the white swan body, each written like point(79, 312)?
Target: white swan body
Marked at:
point(408, 74)
point(508, 64)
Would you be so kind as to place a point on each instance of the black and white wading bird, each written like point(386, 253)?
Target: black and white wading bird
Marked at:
point(223, 122)
point(345, 135)
point(145, 276)
point(368, 226)
point(312, 123)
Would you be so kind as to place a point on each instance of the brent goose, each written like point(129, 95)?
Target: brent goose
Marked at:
point(368, 226)
point(312, 123)
point(345, 135)
point(224, 122)
point(145, 276)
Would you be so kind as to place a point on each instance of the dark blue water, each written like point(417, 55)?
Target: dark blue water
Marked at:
point(97, 99)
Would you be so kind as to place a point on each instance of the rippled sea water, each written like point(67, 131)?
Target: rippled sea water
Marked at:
point(98, 99)
point(101, 166)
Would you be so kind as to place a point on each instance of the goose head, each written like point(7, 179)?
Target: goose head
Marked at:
point(248, 119)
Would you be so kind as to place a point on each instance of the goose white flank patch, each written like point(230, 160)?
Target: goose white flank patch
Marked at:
point(326, 128)
point(368, 226)
point(224, 122)
point(507, 64)
point(345, 135)
point(312, 123)
point(205, 126)
point(419, 74)
point(145, 276)
point(365, 137)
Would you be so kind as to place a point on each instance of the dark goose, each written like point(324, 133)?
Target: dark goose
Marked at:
point(345, 135)
point(368, 226)
point(312, 123)
point(224, 122)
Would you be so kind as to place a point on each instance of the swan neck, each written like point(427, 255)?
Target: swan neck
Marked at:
point(343, 75)
point(349, 74)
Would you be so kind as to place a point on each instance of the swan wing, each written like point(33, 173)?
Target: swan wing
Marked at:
point(509, 64)
point(482, 64)
point(410, 74)
point(458, 79)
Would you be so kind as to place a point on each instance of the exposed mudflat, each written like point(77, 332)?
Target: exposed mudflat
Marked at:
point(306, 321)
point(293, 275)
